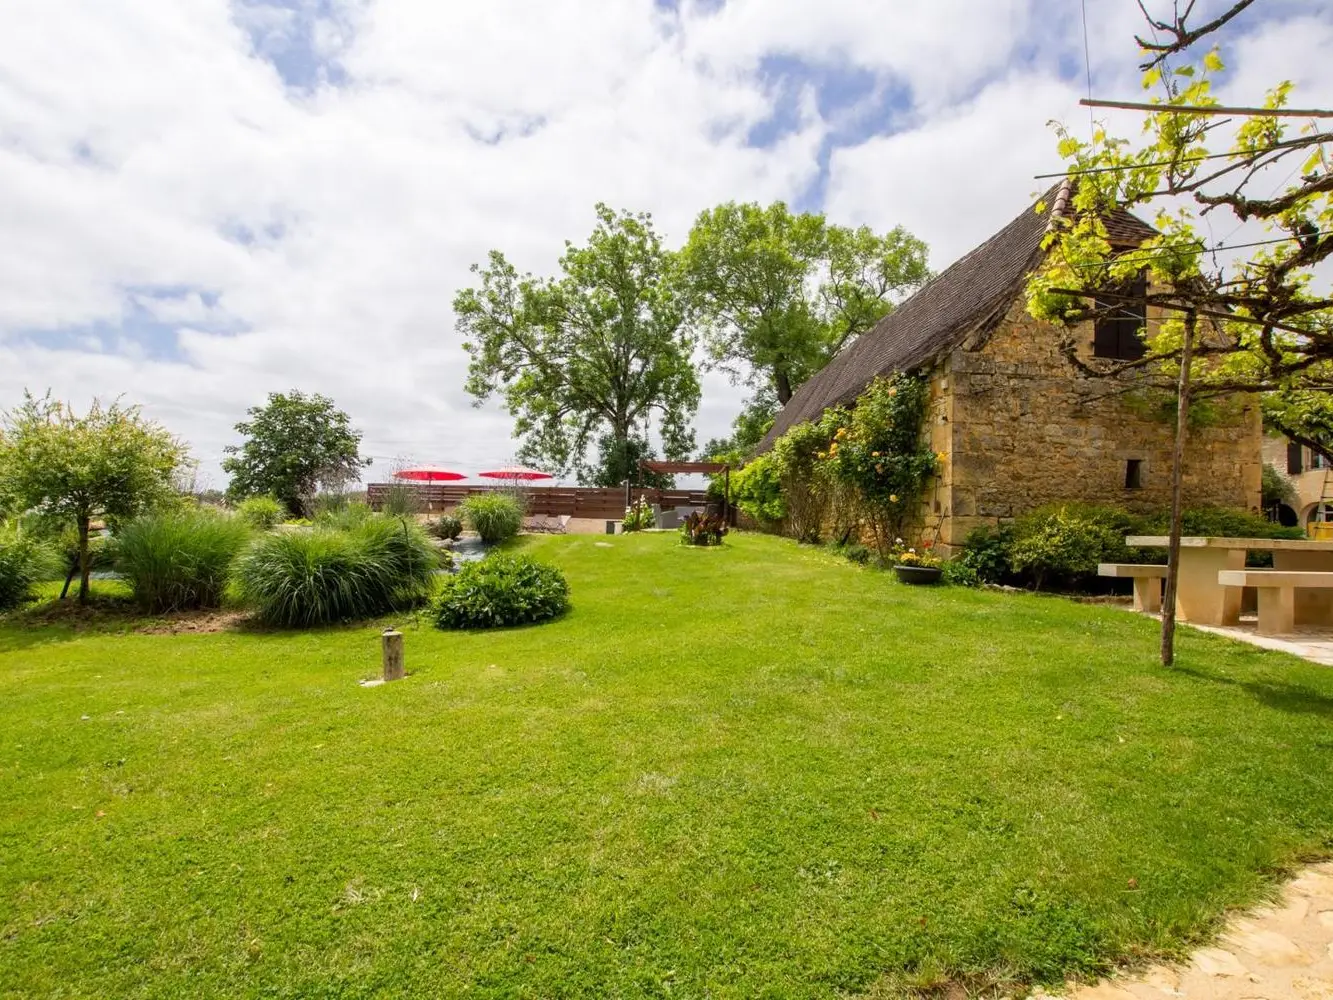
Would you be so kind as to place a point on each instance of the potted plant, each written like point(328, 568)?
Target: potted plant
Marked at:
point(915, 566)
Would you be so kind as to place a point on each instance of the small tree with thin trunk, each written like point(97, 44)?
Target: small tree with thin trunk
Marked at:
point(111, 462)
point(1260, 322)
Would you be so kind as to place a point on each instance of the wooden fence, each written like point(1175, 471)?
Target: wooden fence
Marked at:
point(551, 501)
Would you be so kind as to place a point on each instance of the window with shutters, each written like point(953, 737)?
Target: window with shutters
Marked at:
point(1116, 334)
point(1294, 465)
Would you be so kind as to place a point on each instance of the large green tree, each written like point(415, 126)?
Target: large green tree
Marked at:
point(295, 446)
point(599, 352)
point(110, 462)
point(1257, 321)
point(778, 294)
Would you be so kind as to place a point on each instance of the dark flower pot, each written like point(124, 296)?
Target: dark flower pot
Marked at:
point(917, 574)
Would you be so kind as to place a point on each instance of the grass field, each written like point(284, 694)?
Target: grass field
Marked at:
point(756, 771)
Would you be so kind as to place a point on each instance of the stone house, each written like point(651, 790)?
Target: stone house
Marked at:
point(1017, 424)
point(1311, 479)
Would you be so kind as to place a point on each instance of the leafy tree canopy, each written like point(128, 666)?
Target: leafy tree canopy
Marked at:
point(600, 350)
point(1265, 316)
point(779, 294)
point(295, 446)
point(110, 462)
point(1256, 321)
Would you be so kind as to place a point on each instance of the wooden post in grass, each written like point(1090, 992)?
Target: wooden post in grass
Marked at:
point(392, 642)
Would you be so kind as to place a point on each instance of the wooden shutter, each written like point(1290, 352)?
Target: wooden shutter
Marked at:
point(1293, 459)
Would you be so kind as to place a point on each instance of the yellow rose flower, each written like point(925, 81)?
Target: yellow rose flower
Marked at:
point(893, 498)
point(939, 456)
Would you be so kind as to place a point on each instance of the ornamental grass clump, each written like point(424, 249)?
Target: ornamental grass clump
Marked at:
point(494, 516)
point(302, 578)
point(21, 563)
point(179, 560)
point(263, 513)
point(501, 591)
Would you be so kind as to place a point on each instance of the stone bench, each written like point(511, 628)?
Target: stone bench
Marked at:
point(1277, 593)
point(1147, 582)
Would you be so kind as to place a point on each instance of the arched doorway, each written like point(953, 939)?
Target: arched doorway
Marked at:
point(1280, 513)
point(1319, 513)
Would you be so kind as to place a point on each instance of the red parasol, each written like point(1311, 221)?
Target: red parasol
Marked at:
point(516, 473)
point(429, 474)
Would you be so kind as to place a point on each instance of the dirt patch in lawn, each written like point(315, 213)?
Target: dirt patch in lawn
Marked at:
point(195, 621)
point(120, 615)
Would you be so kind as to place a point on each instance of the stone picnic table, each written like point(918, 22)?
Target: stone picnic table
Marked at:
point(1203, 600)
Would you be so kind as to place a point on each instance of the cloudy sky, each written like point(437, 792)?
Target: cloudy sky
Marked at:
point(202, 201)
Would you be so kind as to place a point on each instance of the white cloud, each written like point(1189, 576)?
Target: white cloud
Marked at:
point(152, 159)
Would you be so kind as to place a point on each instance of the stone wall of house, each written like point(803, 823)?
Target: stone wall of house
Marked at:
point(1312, 483)
point(1020, 428)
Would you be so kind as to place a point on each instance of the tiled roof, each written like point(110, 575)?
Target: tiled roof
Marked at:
point(974, 290)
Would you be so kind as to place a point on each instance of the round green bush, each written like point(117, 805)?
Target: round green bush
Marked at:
point(446, 526)
point(179, 560)
point(21, 560)
point(261, 513)
point(501, 590)
point(493, 516)
point(301, 578)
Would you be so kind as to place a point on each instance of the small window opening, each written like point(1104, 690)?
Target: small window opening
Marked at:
point(1116, 334)
point(1134, 474)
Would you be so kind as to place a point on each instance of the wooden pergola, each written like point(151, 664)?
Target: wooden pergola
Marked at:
point(688, 468)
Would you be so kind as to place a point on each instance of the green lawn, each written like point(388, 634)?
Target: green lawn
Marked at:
point(757, 771)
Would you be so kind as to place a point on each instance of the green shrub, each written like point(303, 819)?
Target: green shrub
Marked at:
point(880, 457)
point(261, 513)
point(179, 560)
point(1062, 544)
point(1066, 542)
point(499, 591)
point(446, 526)
point(494, 516)
point(756, 490)
point(21, 563)
point(303, 578)
point(805, 476)
point(1219, 521)
point(959, 573)
point(854, 552)
point(986, 553)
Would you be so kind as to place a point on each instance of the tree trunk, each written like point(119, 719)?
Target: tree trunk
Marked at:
point(85, 560)
point(782, 381)
point(1177, 495)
